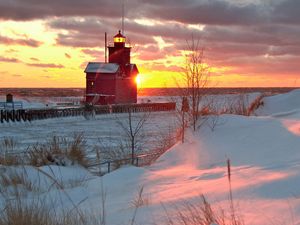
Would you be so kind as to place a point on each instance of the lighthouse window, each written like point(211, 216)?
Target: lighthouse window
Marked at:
point(119, 39)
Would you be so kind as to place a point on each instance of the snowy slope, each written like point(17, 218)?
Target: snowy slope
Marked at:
point(265, 174)
point(265, 157)
point(281, 103)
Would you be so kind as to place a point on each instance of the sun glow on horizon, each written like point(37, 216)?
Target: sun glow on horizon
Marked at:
point(138, 80)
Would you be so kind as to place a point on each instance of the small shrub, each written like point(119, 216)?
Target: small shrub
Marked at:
point(9, 160)
point(60, 151)
point(237, 107)
point(76, 150)
point(39, 155)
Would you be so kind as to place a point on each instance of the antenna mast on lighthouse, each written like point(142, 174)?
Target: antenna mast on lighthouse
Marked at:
point(105, 47)
point(123, 16)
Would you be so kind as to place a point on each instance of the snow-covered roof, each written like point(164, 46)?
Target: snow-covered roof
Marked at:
point(131, 69)
point(99, 67)
point(100, 95)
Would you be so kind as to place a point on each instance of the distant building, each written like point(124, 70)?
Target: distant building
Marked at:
point(113, 82)
point(10, 104)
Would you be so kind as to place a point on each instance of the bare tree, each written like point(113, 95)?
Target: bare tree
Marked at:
point(132, 127)
point(196, 77)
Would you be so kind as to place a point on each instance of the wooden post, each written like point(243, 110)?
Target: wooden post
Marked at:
point(18, 117)
point(6, 116)
point(1, 116)
point(137, 161)
point(13, 115)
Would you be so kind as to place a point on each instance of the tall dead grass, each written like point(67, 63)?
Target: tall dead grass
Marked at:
point(200, 213)
point(237, 107)
point(193, 214)
point(15, 181)
point(60, 151)
point(17, 208)
point(242, 106)
point(18, 212)
point(38, 212)
point(7, 152)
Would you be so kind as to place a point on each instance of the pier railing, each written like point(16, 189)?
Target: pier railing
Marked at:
point(41, 114)
point(11, 105)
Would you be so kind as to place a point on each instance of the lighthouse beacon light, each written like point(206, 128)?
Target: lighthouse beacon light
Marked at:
point(119, 38)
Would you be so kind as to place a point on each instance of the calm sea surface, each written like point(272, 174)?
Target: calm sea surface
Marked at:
point(66, 92)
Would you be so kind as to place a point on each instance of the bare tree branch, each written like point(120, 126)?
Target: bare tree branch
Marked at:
point(132, 127)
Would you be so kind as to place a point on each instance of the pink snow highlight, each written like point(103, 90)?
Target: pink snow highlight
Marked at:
point(292, 126)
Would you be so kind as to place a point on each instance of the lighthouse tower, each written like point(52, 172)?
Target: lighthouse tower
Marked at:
point(113, 82)
point(119, 53)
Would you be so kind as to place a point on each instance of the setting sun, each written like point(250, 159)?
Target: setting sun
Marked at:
point(138, 80)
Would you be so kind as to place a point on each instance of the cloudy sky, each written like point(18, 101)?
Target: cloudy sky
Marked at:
point(47, 43)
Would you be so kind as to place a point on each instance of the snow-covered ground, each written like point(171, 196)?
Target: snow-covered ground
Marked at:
point(103, 129)
point(263, 149)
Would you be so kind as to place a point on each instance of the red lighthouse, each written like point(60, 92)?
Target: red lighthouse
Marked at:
point(113, 82)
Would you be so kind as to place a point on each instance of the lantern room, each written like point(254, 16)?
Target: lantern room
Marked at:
point(119, 40)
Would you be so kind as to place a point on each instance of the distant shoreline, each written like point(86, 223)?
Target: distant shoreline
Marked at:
point(77, 92)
